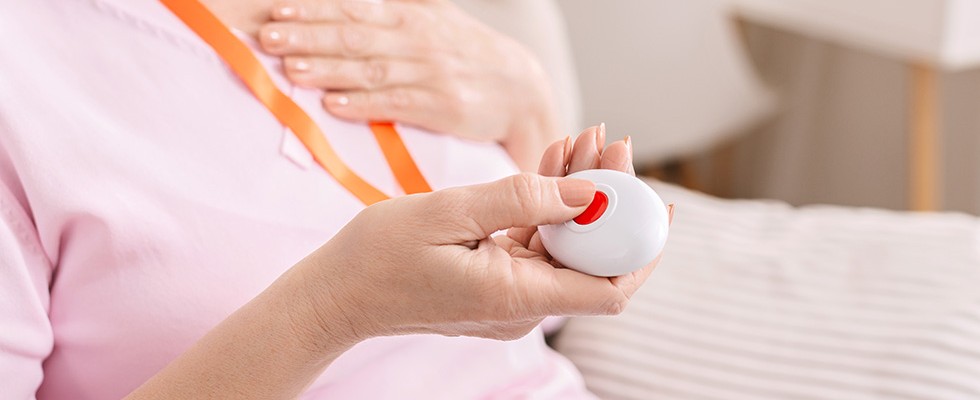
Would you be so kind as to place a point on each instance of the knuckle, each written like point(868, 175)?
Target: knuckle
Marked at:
point(457, 100)
point(616, 306)
point(306, 40)
point(357, 11)
point(353, 39)
point(414, 19)
point(375, 73)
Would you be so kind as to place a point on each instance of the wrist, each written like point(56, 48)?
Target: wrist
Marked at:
point(317, 314)
point(535, 123)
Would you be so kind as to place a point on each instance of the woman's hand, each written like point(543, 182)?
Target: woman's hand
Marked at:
point(590, 152)
point(424, 62)
point(417, 264)
point(428, 264)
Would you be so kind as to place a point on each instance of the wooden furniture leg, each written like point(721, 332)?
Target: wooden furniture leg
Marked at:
point(723, 167)
point(689, 174)
point(924, 139)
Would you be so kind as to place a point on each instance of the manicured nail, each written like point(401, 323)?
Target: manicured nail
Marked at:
point(576, 192)
point(567, 154)
point(275, 36)
point(286, 11)
point(337, 100)
point(296, 64)
point(600, 137)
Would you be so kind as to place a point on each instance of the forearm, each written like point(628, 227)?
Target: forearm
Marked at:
point(273, 347)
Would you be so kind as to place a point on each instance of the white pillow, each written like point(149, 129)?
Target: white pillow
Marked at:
point(758, 300)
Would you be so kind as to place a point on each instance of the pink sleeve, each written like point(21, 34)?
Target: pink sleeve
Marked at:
point(25, 274)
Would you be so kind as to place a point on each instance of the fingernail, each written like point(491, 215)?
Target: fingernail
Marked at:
point(275, 37)
point(600, 137)
point(297, 64)
point(629, 144)
point(567, 154)
point(337, 100)
point(286, 11)
point(670, 213)
point(576, 192)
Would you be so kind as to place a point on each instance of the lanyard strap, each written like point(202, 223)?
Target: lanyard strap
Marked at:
point(241, 60)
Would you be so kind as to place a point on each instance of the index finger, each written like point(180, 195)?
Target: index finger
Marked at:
point(362, 11)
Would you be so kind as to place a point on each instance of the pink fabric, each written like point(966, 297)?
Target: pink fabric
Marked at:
point(145, 195)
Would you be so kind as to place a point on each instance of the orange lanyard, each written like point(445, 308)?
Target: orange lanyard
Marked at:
point(241, 60)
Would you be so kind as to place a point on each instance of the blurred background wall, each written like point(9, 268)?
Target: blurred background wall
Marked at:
point(840, 133)
point(801, 119)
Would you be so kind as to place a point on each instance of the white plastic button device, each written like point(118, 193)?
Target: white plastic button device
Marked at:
point(622, 230)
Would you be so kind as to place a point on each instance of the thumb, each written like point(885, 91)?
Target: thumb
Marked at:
point(519, 201)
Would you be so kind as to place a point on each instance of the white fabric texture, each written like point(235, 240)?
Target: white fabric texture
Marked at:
point(759, 300)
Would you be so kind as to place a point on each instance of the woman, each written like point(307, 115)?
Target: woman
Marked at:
point(162, 236)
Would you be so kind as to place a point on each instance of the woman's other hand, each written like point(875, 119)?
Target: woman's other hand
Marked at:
point(424, 62)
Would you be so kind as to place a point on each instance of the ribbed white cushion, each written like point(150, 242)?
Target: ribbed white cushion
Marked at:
point(758, 300)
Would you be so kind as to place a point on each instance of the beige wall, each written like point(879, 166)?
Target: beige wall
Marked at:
point(665, 71)
point(669, 73)
point(840, 134)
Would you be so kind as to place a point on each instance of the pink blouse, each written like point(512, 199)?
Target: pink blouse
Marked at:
point(145, 195)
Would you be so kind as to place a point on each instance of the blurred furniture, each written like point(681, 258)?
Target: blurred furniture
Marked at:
point(760, 300)
point(671, 74)
point(932, 35)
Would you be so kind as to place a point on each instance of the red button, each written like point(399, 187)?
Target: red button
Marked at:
point(595, 210)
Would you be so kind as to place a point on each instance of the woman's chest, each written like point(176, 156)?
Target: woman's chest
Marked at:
point(166, 196)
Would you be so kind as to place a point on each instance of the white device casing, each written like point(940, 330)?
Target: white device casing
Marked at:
point(629, 234)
